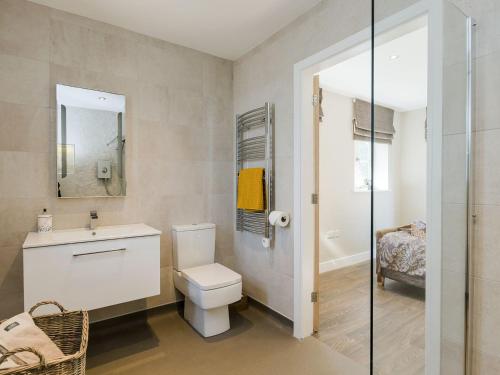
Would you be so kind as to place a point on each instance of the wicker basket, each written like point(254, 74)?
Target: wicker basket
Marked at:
point(69, 330)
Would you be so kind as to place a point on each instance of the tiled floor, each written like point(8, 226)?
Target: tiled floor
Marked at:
point(164, 343)
point(399, 321)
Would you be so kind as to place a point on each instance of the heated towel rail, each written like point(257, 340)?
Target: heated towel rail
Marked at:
point(254, 148)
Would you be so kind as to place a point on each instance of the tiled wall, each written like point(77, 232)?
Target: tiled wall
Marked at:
point(486, 236)
point(179, 160)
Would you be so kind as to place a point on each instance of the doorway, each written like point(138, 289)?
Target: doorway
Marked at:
point(399, 184)
point(441, 17)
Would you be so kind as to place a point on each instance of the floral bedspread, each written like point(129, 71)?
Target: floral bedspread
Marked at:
point(402, 252)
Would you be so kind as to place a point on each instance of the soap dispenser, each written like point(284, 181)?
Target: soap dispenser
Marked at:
point(45, 222)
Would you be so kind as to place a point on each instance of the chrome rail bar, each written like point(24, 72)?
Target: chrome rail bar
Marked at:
point(256, 148)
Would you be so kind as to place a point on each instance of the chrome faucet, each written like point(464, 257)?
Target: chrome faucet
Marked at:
point(93, 219)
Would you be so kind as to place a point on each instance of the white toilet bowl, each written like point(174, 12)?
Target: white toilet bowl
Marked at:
point(208, 287)
point(208, 291)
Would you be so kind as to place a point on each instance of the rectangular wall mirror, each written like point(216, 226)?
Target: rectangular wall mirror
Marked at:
point(90, 143)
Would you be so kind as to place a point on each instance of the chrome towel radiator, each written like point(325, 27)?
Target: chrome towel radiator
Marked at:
point(254, 148)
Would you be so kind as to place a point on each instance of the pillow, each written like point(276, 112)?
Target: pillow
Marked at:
point(418, 229)
point(21, 331)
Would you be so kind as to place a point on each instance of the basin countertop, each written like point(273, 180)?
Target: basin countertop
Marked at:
point(68, 236)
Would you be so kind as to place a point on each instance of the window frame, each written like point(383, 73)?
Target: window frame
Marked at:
point(356, 189)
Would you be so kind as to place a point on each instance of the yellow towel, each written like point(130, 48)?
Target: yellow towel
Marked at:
point(251, 189)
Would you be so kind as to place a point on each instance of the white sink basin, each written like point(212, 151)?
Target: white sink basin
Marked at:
point(67, 236)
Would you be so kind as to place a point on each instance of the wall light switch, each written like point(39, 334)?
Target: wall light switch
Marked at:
point(104, 169)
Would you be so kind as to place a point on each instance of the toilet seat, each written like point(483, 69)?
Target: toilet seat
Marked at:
point(211, 276)
point(207, 299)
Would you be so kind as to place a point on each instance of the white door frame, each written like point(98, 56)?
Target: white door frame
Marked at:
point(303, 170)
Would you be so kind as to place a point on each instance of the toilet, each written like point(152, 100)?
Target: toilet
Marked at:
point(208, 287)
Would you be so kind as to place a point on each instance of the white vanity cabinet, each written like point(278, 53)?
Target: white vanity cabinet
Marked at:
point(84, 269)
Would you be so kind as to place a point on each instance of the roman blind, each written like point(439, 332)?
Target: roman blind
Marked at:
point(384, 122)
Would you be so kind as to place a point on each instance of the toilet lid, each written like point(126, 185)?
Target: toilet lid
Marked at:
point(211, 276)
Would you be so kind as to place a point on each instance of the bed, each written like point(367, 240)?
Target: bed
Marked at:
point(401, 254)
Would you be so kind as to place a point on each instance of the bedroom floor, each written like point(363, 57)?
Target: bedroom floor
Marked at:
point(399, 338)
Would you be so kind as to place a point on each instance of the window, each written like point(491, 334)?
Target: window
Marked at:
point(362, 161)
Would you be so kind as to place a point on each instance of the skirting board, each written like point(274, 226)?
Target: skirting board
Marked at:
point(334, 264)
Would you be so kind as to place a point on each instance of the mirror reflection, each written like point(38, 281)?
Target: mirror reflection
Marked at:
point(90, 143)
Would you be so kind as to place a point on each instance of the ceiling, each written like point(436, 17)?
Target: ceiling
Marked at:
point(400, 83)
point(224, 28)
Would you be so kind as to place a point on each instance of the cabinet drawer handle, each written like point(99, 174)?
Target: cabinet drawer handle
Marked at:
point(100, 252)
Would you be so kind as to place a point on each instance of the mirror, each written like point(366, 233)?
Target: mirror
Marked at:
point(90, 143)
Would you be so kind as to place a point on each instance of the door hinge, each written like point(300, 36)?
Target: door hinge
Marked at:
point(314, 198)
point(315, 100)
point(314, 297)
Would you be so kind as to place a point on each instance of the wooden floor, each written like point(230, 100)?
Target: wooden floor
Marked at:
point(399, 324)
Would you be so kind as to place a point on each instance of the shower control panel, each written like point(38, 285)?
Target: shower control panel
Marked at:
point(104, 169)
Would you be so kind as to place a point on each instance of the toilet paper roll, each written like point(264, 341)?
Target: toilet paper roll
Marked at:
point(279, 218)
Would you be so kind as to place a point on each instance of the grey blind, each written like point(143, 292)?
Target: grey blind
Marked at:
point(384, 122)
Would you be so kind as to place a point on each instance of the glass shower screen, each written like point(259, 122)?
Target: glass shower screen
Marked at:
point(420, 213)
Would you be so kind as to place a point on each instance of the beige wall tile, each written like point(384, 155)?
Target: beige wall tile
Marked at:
point(185, 69)
point(454, 237)
point(221, 211)
point(149, 138)
point(166, 248)
point(453, 306)
point(26, 174)
point(154, 69)
point(12, 303)
point(24, 30)
point(67, 40)
point(121, 56)
point(154, 102)
point(96, 48)
point(222, 144)
point(487, 80)
point(186, 108)
point(486, 242)
point(221, 177)
point(24, 128)
point(485, 322)
point(452, 357)
point(283, 175)
point(185, 143)
point(486, 161)
point(454, 104)
point(11, 275)
point(24, 81)
point(454, 186)
point(218, 78)
point(485, 364)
